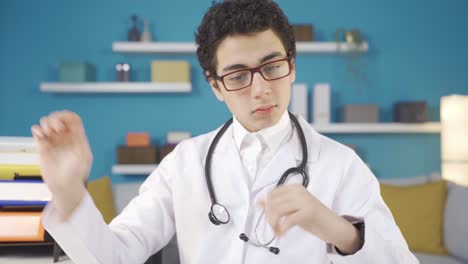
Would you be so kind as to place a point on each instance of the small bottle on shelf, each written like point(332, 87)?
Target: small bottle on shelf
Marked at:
point(146, 34)
point(134, 33)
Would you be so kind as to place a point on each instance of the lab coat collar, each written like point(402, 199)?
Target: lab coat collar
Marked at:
point(289, 155)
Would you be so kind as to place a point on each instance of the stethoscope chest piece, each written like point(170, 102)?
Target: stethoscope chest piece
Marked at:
point(219, 214)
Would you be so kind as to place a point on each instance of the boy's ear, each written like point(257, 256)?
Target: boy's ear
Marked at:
point(214, 86)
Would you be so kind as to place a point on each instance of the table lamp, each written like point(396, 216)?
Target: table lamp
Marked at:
point(454, 138)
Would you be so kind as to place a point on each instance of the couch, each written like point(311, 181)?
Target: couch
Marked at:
point(454, 216)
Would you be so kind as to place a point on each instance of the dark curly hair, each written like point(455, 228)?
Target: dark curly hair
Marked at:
point(232, 17)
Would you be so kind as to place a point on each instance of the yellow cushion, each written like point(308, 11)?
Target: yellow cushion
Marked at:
point(101, 192)
point(419, 212)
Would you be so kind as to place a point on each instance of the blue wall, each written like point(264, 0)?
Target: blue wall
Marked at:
point(417, 52)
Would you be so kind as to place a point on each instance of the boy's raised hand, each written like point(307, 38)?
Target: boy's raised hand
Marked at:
point(65, 157)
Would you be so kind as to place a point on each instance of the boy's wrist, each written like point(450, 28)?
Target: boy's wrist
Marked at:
point(67, 201)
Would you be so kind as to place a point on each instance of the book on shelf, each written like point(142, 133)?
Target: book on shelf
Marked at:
point(17, 144)
point(12, 172)
point(22, 203)
point(21, 227)
point(22, 192)
point(32, 177)
point(23, 207)
point(19, 158)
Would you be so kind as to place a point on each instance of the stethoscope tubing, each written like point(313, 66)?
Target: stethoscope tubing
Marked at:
point(299, 169)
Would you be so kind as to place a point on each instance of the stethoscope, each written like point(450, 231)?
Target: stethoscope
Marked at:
point(219, 214)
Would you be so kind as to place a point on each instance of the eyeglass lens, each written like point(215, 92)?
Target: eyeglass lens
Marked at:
point(269, 71)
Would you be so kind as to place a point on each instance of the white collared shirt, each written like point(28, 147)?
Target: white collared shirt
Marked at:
point(257, 148)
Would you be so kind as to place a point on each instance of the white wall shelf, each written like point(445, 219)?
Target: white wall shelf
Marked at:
point(134, 169)
point(116, 87)
point(327, 47)
point(382, 128)
point(190, 47)
point(154, 47)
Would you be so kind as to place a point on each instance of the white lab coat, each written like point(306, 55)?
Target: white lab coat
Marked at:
point(175, 198)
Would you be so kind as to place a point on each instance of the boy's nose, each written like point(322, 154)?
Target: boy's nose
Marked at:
point(260, 86)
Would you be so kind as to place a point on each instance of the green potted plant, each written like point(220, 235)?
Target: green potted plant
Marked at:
point(355, 41)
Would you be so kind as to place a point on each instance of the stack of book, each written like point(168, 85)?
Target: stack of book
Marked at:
point(23, 194)
point(137, 150)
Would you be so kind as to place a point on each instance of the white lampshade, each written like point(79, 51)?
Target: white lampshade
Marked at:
point(454, 138)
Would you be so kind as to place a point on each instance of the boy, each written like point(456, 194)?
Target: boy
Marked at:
point(326, 206)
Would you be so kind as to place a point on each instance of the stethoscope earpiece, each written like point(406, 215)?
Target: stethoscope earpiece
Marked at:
point(243, 237)
point(274, 250)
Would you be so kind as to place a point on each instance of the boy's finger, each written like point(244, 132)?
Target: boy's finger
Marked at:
point(56, 125)
point(37, 133)
point(45, 126)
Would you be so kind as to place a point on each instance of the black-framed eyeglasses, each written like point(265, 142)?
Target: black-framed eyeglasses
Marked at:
point(269, 71)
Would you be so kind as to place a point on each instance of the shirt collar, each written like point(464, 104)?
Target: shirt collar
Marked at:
point(271, 136)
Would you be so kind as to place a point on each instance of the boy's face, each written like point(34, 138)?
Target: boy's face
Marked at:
point(261, 104)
